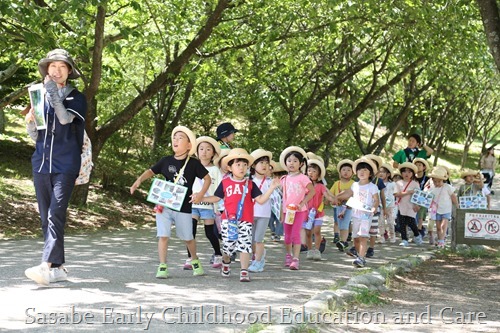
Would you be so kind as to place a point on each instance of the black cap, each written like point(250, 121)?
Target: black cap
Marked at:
point(224, 130)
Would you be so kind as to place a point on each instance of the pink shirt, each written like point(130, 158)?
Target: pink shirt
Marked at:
point(317, 200)
point(404, 204)
point(294, 190)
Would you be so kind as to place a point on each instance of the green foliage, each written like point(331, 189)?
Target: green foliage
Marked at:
point(471, 252)
point(254, 328)
point(287, 72)
point(368, 297)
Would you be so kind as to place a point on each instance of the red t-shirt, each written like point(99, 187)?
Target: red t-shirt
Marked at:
point(231, 191)
point(317, 200)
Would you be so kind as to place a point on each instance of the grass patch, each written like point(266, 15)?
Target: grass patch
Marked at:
point(368, 297)
point(472, 252)
point(338, 284)
point(304, 328)
point(257, 327)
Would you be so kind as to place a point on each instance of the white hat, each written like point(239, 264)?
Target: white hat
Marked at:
point(276, 167)
point(190, 135)
point(423, 161)
point(238, 153)
point(388, 167)
point(258, 153)
point(439, 173)
point(219, 161)
point(288, 150)
point(322, 172)
point(468, 172)
point(210, 140)
point(367, 161)
point(312, 156)
point(344, 162)
point(408, 165)
point(375, 158)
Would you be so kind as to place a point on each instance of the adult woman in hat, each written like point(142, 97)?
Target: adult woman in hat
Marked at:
point(57, 159)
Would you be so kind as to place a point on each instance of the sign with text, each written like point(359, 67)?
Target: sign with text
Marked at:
point(482, 226)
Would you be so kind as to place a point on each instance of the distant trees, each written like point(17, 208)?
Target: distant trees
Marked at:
point(301, 72)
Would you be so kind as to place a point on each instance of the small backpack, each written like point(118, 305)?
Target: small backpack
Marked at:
point(86, 166)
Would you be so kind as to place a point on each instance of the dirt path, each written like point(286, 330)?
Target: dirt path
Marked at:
point(446, 294)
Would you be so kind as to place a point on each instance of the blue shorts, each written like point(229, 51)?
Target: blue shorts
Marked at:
point(318, 222)
point(440, 217)
point(203, 213)
point(346, 220)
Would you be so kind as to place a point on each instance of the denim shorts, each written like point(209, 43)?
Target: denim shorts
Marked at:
point(440, 217)
point(203, 213)
point(346, 220)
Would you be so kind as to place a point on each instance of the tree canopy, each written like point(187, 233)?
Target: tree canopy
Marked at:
point(309, 73)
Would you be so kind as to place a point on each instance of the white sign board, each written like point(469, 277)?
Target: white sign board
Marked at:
point(482, 226)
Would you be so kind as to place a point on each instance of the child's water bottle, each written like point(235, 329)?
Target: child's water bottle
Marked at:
point(291, 209)
point(310, 219)
point(232, 228)
point(158, 209)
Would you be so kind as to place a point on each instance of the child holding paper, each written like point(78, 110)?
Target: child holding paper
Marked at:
point(182, 170)
point(407, 210)
point(365, 202)
point(442, 205)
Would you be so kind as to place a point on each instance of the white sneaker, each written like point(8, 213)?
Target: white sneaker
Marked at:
point(40, 274)
point(317, 255)
point(58, 275)
point(217, 262)
point(310, 255)
point(418, 240)
point(187, 265)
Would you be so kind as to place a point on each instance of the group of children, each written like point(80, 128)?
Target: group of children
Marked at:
point(239, 195)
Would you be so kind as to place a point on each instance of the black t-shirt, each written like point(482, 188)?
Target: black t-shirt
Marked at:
point(169, 167)
point(422, 181)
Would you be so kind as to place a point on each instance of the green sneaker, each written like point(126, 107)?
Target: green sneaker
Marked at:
point(162, 272)
point(197, 269)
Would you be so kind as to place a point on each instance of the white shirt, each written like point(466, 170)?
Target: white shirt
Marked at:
point(263, 210)
point(215, 175)
point(389, 194)
point(442, 196)
point(363, 194)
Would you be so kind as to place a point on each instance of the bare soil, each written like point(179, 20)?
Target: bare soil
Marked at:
point(446, 294)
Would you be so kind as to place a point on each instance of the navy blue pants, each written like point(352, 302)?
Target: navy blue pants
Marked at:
point(53, 192)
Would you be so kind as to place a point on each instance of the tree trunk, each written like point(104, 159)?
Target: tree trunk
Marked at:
point(2, 120)
point(491, 22)
point(80, 195)
point(342, 123)
point(100, 134)
point(10, 71)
